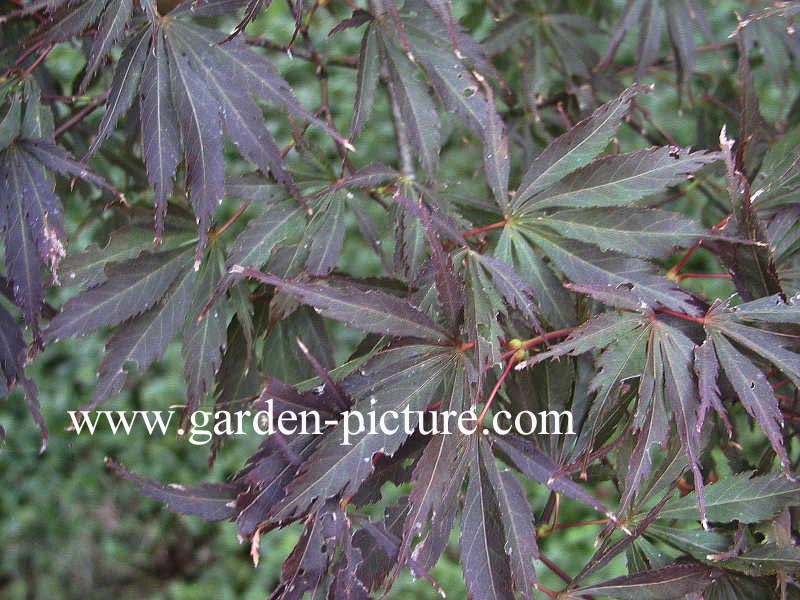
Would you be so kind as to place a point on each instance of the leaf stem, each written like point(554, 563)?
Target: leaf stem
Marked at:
point(673, 272)
point(38, 60)
point(234, 217)
point(478, 230)
point(683, 276)
point(679, 315)
point(544, 590)
point(579, 524)
point(21, 12)
point(25, 54)
point(555, 568)
point(496, 388)
point(332, 61)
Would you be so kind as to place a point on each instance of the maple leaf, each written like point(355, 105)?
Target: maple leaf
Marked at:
point(31, 214)
point(437, 477)
point(483, 557)
point(12, 364)
point(425, 38)
point(374, 311)
point(679, 16)
point(212, 502)
point(662, 357)
point(740, 497)
point(750, 325)
point(547, 43)
point(673, 581)
point(192, 88)
point(407, 376)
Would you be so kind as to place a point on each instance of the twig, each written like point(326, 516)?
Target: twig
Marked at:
point(81, 114)
point(38, 60)
point(347, 62)
point(403, 145)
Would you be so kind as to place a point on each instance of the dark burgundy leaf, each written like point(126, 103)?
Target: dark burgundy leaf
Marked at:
point(210, 501)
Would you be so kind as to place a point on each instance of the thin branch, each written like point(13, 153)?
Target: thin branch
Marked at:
point(81, 114)
point(347, 62)
point(38, 60)
point(403, 144)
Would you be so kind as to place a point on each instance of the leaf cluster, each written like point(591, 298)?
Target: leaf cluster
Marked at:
point(531, 230)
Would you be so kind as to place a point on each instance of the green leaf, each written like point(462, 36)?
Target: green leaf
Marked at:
point(738, 498)
point(599, 332)
point(286, 360)
point(766, 559)
point(33, 228)
point(652, 431)
point(326, 235)
point(462, 94)
point(514, 290)
point(574, 149)
point(482, 305)
point(620, 179)
point(366, 81)
point(439, 473)
point(680, 390)
point(121, 94)
point(277, 223)
point(698, 543)
point(131, 288)
point(373, 311)
point(159, 125)
point(639, 232)
point(417, 111)
point(110, 29)
point(533, 463)
point(203, 341)
point(143, 340)
point(241, 116)
point(774, 346)
point(668, 583)
point(11, 122)
point(585, 264)
point(87, 268)
point(210, 501)
point(201, 133)
point(556, 305)
point(755, 393)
